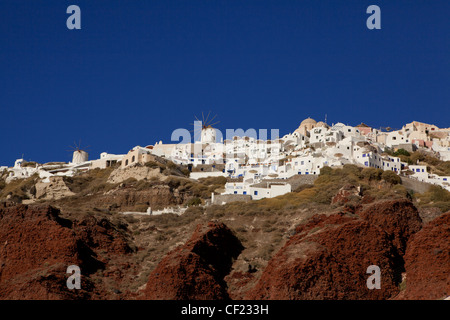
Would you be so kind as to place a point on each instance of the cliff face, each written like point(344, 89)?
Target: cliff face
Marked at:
point(37, 246)
point(55, 189)
point(99, 234)
point(125, 199)
point(427, 261)
point(328, 256)
point(156, 197)
point(197, 269)
point(398, 218)
point(136, 172)
point(328, 259)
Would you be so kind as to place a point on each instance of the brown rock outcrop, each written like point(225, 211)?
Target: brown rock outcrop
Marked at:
point(158, 197)
point(427, 261)
point(327, 259)
point(328, 256)
point(136, 172)
point(399, 218)
point(101, 234)
point(55, 189)
point(33, 241)
point(346, 193)
point(37, 246)
point(197, 269)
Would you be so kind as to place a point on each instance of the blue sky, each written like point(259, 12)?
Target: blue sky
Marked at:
point(137, 70)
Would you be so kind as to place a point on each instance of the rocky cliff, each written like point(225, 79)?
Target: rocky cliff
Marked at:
point(398, 218)
point(328, 256)
point(56, 189)
point(135, 172)
point(197, 269)
point(327, 259)
point(427, 261)
point(37, 246)
point(312, 253)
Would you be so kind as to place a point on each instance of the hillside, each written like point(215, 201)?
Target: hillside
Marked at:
point(345, 213)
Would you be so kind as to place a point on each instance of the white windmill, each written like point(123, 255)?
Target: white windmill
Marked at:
point(79, 155)
point(207, 131)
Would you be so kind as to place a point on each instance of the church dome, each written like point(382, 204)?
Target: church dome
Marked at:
point(321, 124)
point(308, 121)
point(306, 126)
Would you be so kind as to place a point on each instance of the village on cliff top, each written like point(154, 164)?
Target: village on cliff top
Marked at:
point(263, 168)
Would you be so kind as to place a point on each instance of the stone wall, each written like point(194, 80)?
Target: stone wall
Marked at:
point(301, 179)
point(227, 198)
point(415, 185)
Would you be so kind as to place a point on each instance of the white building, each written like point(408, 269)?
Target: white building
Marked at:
point(309, 148)
point(259, 190)
point(106, 160)
point(420, 173)
point(395, 138)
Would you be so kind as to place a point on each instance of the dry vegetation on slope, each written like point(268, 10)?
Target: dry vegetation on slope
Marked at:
point(262, 226)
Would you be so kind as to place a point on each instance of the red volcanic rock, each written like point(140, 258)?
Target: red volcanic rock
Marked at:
point(427, 261)
point(327, 259)
point(345, 194)
point(101, 234)
point(37, 246)
point(399, 218)
point(44, 284)
point(238, 282)
point(366, 199)
point(197, 269)
point(34, 240)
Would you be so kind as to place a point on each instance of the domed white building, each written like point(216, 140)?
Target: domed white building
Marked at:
point(306, 126)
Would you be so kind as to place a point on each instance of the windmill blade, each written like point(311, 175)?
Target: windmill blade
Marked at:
point(77, 147)
point(74, 147)
point(213, 124)
point(213, 118)
point(196, 128)
point(207, 117)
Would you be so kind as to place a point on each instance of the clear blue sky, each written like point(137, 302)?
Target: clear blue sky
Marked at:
point(137, 70)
